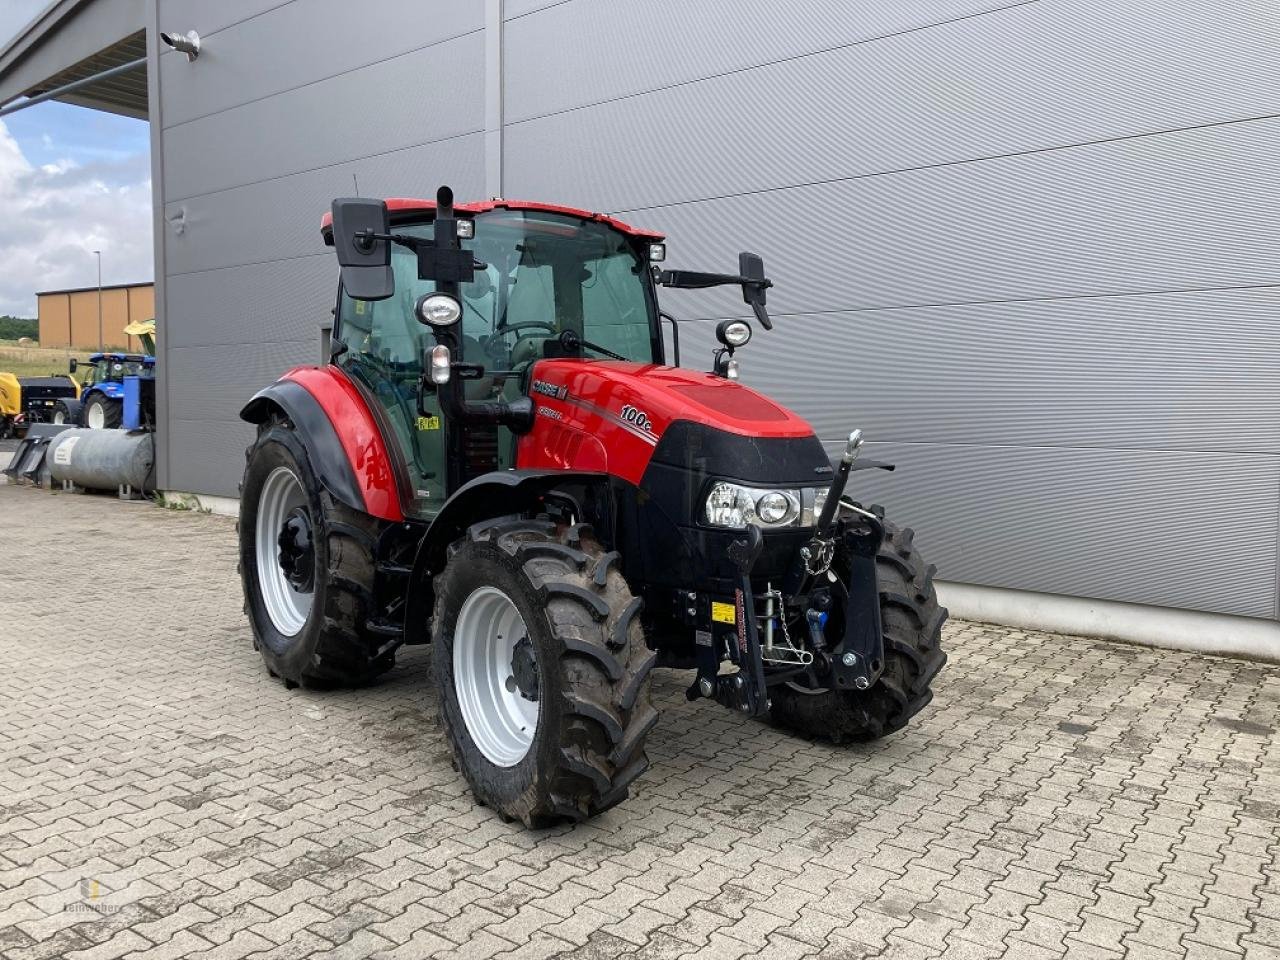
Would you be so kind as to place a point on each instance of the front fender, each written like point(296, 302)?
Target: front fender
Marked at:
point(496, 494)
point(324, 448)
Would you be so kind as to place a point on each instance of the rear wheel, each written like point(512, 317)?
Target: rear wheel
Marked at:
point(542, 670)
point(102, 413)
point(911, 620)
point(306, 564)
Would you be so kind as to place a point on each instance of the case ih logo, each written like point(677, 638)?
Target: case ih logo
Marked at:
point(550, 390)
point(632, 415)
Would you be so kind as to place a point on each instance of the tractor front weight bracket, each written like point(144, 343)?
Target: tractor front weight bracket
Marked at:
point(859, 658)
point(744, 691)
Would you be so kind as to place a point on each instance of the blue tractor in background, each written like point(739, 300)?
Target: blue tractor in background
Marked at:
point(102, 389)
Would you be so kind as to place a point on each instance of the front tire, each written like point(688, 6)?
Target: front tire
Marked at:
point(542, 670)
point(911, 620)
point(66, 412)
point(102, 413)
point(306, 566)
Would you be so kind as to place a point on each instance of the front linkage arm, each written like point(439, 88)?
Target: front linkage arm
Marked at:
point(859, 657)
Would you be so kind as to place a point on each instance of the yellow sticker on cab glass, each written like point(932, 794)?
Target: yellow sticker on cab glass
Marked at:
point(723, 612)
point(428, 423)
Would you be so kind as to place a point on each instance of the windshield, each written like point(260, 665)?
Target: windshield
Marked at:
point(107, 369)
point(544, 273)
point(548, 273)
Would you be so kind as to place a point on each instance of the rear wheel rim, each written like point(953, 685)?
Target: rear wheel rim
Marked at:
point(287, 606)
point(59, 417)
point(96, 417)
point(500, 718)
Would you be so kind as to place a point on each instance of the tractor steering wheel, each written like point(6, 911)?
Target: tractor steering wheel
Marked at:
point(487, 342)
point(522, 325)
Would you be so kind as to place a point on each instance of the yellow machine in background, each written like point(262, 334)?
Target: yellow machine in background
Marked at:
point(144, 330)
point(10, 396)
point(28, 400)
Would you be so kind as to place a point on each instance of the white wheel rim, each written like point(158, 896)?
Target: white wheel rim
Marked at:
point(58, 417)
point(501, 721)
point(287, 606)
point(96, 418)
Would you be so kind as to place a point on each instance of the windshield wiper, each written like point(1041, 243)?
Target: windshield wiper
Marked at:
point(573, 342)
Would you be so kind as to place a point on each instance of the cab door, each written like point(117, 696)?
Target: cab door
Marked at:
point(385, 348)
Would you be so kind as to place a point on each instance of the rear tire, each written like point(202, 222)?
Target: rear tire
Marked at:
point(911, 620)
point(323, 641)
point(585, 660)
point(102, 413)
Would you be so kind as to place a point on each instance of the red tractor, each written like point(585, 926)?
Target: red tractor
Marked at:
point(499, 461)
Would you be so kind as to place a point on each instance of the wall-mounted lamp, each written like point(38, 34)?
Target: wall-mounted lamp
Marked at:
point(188, 43)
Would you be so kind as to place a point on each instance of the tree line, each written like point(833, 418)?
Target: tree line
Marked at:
point(15, 328)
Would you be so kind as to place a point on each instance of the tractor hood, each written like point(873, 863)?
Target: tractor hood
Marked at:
point(612, 416)
point(650, 397)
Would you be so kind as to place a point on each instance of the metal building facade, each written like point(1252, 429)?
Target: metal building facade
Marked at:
point(1031, 248)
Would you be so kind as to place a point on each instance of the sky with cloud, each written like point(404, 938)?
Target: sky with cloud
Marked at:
point(72, 181)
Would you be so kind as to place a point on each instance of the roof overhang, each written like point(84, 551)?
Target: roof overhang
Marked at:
point(72, 40)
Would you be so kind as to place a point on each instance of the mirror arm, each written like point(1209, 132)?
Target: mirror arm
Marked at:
point(695, 280)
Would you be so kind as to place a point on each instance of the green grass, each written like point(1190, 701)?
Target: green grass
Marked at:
point(33, 361)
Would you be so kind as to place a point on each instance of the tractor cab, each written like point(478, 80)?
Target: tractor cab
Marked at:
point(511, 284)
point(103, 368)
point(544, 282)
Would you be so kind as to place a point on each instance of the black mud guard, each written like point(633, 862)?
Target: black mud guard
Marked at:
point(496, 494)
point(317, 434)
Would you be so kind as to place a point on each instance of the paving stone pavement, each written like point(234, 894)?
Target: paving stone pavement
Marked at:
point(163, 797)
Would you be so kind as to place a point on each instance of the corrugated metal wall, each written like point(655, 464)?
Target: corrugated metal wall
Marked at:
point(289, 106)
point(1031, 248)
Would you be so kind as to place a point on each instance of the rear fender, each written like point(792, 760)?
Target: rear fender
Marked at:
point(353, 465)
point(498, 494)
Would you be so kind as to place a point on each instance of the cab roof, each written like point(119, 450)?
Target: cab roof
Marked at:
point(121, 357)
point(413, 205)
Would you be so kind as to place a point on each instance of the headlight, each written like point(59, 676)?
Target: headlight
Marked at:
point(439, 309)
point(735, 505)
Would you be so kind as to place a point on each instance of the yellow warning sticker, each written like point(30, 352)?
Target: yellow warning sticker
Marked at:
point(428, 423)
point(723, 612)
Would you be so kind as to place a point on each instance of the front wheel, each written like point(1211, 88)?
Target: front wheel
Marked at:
point(306, 566)
point(542, 670)
point(66, 412)
point(911, 620)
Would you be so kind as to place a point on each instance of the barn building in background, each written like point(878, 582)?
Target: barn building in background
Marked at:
point(87, 317)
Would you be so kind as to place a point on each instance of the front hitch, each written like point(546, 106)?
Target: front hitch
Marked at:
point(745, 690)
point(858, 659)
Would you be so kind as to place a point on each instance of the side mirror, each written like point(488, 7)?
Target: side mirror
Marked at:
point(71, 365)
point(358, 223)
point(751, 267)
